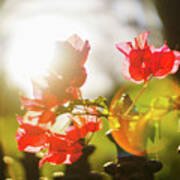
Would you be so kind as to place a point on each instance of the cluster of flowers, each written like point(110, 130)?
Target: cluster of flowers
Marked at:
point(38, 127)
point(144, 61)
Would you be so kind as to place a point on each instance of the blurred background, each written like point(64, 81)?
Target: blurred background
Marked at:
point(29, 30)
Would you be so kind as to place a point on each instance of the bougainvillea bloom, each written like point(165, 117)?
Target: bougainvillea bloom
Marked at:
point(45, 106)
point(62, 83)
point(143, 60)
point(67, 73)
point(65, 148)
point(61, 150)
point(60, 88)
point(70, 59)
point(31, 138)
point(44, 126)
point(74, 132)
point(164, 61)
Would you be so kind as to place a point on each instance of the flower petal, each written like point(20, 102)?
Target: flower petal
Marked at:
point(73, 133)
point(75, 156)
point(47, 117)
point(58, 143)
point(53, 158)
point(162, 63)
point(141, 40)
point(125, 48)
point(31, 103)
point(31, 138)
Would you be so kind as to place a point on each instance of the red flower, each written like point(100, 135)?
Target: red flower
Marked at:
point(68, 73)
point(70, 59)
point(31, 138)
point(164, 61)
point(94, 126)
point(61, 88)
point(45, 105)
point(61, 150)
point(80, 131)
point(143, 60)
point(74, 133)
point(66, 148)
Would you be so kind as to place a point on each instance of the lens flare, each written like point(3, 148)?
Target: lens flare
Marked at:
point(139, 132)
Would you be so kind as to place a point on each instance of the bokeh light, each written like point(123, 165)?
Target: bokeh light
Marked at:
point(140, 132)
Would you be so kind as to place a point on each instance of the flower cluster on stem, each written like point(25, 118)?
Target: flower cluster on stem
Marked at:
point(60, 96)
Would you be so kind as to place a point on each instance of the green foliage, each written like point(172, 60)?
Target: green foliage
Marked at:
point(160, 102)
point(100, 104)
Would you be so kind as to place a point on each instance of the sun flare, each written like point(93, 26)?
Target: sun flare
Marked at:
point(32, 46)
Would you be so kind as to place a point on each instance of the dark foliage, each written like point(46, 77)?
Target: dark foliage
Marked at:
point(2, 165)
point(133, 168)
point(31, 165)
point(80, 170)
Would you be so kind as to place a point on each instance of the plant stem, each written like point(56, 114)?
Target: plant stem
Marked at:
point(136, 99)
point(90, 114)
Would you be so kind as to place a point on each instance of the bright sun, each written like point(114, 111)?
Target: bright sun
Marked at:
point(32, 46)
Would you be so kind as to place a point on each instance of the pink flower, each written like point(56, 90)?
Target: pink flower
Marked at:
point(45, 105)
point(31, 138)
point(143, 60)
point(74, 133)
point(70, 59)
point(61, 150)
point(66, 149)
